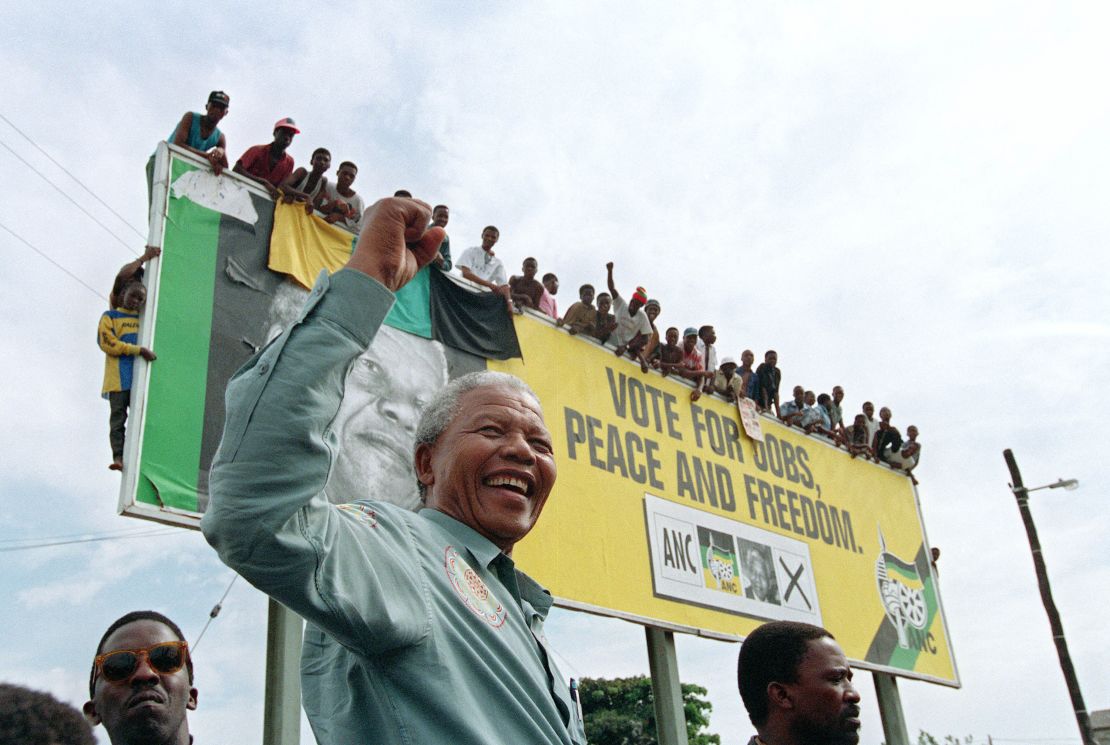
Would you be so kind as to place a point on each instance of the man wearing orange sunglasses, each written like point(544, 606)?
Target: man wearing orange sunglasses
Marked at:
point(141, 682)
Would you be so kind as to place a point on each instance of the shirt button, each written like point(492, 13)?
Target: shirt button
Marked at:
point(264, 368)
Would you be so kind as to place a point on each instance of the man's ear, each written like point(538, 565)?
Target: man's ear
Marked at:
point(778, 695)
point(90, 713)
point(191, 704)
point(422, 462)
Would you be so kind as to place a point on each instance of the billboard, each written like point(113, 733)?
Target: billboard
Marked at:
point(665, 511)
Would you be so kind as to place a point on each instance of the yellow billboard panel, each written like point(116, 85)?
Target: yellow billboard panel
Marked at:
point(666, 512)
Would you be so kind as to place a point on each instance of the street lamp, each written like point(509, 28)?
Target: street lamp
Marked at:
point(1069, 484)
point(1021, 492)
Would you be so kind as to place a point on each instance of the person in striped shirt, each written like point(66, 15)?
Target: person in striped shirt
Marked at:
point(118, 336)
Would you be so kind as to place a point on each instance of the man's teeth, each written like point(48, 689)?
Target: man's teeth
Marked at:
point(518, 484)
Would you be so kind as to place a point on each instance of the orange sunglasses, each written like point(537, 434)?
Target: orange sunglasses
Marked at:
point(164, 657)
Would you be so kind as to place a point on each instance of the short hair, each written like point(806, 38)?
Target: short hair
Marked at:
point(530, 258)
point(585, 287)
point(444, 406)
point(703, 329)
point(348, 164)
point(133, 284)
point(549, 275)
point(319, 150)
point(605, 295)
point(403, 193)
point(772, 654)
point(769, 352)
point(138, 615)
point(119, 286)
point(824, 398)
point(440, 207)
point(30, 717)
point(493, 228)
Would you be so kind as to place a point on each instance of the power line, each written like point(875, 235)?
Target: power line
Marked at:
point(67, 196)
point(48, 544)
point(85, 534)
point(40, 252)
point(91, 216)
point(79, 183)
point(45, 256)
point(566, 663)
point(214, 612)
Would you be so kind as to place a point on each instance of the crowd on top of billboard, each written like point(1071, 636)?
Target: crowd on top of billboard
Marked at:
point(631, 330)
point(628, 327)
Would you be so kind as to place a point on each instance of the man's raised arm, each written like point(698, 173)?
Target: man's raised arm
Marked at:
point(609, 277)
point(268, 517)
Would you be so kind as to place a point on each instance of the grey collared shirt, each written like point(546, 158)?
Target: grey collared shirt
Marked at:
point(420, 629)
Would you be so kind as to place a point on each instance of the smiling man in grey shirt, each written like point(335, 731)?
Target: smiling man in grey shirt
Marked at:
point(421, 628)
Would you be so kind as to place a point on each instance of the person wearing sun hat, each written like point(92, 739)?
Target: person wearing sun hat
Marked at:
point(269, 164)
point(633, 327)
point(726, 382)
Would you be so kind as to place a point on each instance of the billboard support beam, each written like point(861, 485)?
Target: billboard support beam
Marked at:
point(282, 718)
point(670, 716)
point(890, 709)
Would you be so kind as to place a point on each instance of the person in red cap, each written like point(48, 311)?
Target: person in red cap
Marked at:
point(633, 327)
point(269, 165)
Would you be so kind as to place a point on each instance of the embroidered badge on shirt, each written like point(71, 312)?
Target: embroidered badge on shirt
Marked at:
point(472, 589)
point(362, 512)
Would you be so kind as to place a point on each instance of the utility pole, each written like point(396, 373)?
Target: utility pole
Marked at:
point(1022, 495)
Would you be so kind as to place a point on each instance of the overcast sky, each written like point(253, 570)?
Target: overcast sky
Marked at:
point(907, 201)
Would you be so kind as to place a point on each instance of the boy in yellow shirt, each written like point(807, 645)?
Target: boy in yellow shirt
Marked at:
point(118, 336)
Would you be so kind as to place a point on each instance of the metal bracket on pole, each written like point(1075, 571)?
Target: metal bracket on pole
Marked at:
point(890, 709)
point(670, 716)
point(282, 718)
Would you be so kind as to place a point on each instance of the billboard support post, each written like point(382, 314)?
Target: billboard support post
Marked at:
point(282, 718)
point(890, 709)
point(670, 716)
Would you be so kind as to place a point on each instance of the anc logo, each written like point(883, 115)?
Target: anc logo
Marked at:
point(718, 560)
point(472, 590)
point(903, 593)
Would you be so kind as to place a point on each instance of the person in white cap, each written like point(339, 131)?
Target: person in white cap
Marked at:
point(726, 382)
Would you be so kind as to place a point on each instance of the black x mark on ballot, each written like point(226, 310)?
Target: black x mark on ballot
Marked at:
point(794, 577)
